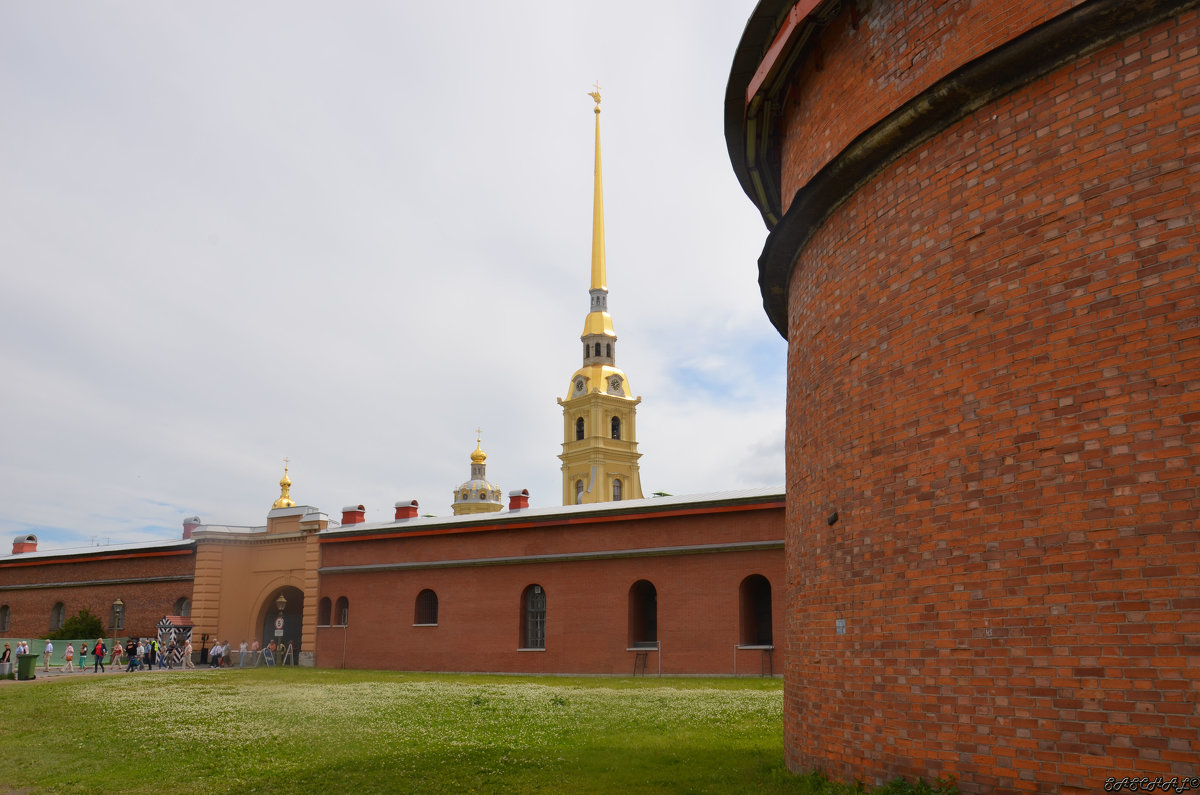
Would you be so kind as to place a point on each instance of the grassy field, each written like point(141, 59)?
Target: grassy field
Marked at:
point(307, 730)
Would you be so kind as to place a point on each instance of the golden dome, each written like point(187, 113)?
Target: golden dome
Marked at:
point(285, 487)
point(477, 495)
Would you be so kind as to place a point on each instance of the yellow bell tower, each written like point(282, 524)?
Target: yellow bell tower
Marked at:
point(599, 457)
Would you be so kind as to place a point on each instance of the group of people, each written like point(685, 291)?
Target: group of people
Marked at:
point(142, 654)
point(98, 652)
point(221, 654)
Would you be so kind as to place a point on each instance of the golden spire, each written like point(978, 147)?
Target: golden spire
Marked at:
point(285, 487)
point(478, 457)
point(599, 279)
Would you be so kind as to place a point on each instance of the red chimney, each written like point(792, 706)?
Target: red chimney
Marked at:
point(354, 514)
point(406, 510)
point(189, 526)
point(518, 500)
point(24, 543)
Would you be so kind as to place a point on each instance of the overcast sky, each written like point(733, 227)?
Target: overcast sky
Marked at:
point(349, 234)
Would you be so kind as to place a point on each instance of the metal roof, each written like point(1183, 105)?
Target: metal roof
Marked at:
point(645, 505)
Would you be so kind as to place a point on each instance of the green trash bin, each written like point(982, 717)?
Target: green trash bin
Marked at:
point(26, 665)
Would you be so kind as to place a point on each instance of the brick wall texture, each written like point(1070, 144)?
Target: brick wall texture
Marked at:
point(95, 583)
point(994, 379)
point(587, 600)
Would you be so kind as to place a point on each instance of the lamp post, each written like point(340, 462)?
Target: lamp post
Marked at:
point(118, 619)
point(280, 603)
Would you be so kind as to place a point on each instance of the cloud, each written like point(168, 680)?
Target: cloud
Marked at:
point(352, 235)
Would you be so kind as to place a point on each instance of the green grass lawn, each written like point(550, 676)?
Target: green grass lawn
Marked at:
point(308, 730)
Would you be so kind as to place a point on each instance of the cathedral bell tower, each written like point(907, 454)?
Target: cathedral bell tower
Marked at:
point(599, 457)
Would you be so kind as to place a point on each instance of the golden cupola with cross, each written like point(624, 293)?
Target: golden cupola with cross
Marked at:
point(477, 495)
point(599, 453)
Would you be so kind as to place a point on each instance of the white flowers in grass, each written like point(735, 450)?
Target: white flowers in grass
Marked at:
point(447, 716)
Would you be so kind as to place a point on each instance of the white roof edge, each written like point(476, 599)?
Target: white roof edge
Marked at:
point(95, 550)
point(548, 512)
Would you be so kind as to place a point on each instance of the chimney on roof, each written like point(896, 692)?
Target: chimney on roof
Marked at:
point(407, 510)
point(354, 514)
point(518, 500)
point(189, 526)
point(24, 543)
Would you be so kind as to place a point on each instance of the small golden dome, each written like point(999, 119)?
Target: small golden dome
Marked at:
point(285, 486)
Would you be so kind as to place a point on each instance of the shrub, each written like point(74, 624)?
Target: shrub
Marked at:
point(81, 625)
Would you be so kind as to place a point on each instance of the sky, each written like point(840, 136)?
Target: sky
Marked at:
point(349, 234)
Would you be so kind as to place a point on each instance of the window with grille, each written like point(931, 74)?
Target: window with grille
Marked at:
point(533, 626)
point(427, 608)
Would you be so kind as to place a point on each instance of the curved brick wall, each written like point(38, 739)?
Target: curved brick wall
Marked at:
point(994, 380)
point(898, 51)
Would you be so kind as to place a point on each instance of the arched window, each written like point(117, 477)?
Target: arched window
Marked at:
point(426, 613)
point(587, 350)
point(183, 606)
point(5, 614)
point(608, 350)
point(579, 429)
point(579, 492)
point(58, 614)
point(616, 489)
point(643, 614)
point(616, 427)
point(533, 618)
point(324, 612)
point(341, 612)
point(754, 597)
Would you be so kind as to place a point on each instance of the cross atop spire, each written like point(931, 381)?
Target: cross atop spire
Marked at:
point(599, 277)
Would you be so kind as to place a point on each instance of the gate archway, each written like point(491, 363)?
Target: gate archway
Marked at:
point(293, 621)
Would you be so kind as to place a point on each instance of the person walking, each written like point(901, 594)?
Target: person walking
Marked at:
point(69, 659)
point(46, 652)
point(242, 655)
point(83, 653)
point(187, 654)
point(98, 655)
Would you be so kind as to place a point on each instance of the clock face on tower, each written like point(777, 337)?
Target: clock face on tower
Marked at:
point(614, 385)
point(578, 384)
